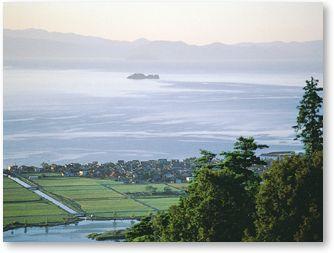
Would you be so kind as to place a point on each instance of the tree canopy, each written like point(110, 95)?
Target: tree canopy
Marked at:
point(289, 202)
point(219, 205)
point(309, 128)
point(215, 209)
point(243, 156)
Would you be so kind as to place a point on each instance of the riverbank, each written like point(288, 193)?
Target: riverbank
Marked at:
point(75, 232)
point(72, 221)
point(108, 235)
point(16, 225)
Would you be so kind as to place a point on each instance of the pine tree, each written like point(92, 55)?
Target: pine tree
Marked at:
point(309, 128)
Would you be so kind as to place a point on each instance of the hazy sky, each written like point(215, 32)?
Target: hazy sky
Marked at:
point(194, 23)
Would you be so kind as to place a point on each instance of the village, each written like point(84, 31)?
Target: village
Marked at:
point(134, 171)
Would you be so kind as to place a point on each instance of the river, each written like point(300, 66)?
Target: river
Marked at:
point(65, 233)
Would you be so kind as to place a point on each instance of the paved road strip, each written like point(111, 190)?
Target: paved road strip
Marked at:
point(44, 196)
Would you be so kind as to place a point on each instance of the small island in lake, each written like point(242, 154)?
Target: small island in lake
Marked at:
point(140, 76)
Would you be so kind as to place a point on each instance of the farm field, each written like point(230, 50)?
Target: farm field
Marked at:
point(43, 174)
point(97, 198)
point(78, 193)
point(71, 181)
point(115, 208)
point(24, 206)
point(180, 186)
point(131, 188)
point(103, 198)
point(162, 203)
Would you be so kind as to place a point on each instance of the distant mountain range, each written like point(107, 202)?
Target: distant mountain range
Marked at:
point(40, 44)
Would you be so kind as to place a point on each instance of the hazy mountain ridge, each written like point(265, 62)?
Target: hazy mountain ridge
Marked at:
point(35, 43)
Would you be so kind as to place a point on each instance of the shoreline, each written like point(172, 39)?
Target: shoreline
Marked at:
point(51, 224)
point(72, 221)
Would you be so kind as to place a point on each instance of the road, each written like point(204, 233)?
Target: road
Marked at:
point(44, 196)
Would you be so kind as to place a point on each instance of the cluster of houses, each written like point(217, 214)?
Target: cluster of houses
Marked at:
point(135, 171)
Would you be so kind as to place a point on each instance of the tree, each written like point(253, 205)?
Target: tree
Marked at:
point(309, 128)
point(167, 190)
point(215, 209)
point(243, 156)
point(289, 202)
point(46, 167)
point(151, 189)
point(141, 232)
point(220, 201)
point(206, 159)
point(217, 206)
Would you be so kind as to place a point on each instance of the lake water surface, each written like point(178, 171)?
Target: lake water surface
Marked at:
point(61, 116)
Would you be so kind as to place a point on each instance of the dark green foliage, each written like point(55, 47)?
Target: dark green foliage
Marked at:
point(168, 189)
point(215, 209)
point(309, 128)
point(108, 235)
point(243, 156)
point(289, 203)
point(141, 232)
point(151, 189)
point(161, 226)
point(241, 160)
point(206, 159)
point(46, 166)
point(220, 202)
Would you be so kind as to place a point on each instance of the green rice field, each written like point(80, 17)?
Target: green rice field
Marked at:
point(162, 203)
point(130, 188)
point(108, 198)
point(24, 206)
point(97, 198)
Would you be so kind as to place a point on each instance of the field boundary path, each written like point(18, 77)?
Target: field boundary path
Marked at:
point(172, 186)
point(129, 197)
point(44, 196)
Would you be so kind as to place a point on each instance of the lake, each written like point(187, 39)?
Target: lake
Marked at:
point(64, 233)
point(63, 116)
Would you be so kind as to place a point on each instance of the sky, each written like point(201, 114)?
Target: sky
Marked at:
point(194, 23)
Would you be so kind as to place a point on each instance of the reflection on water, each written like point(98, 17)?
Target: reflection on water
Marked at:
point(65, 233)
point(82, 116)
